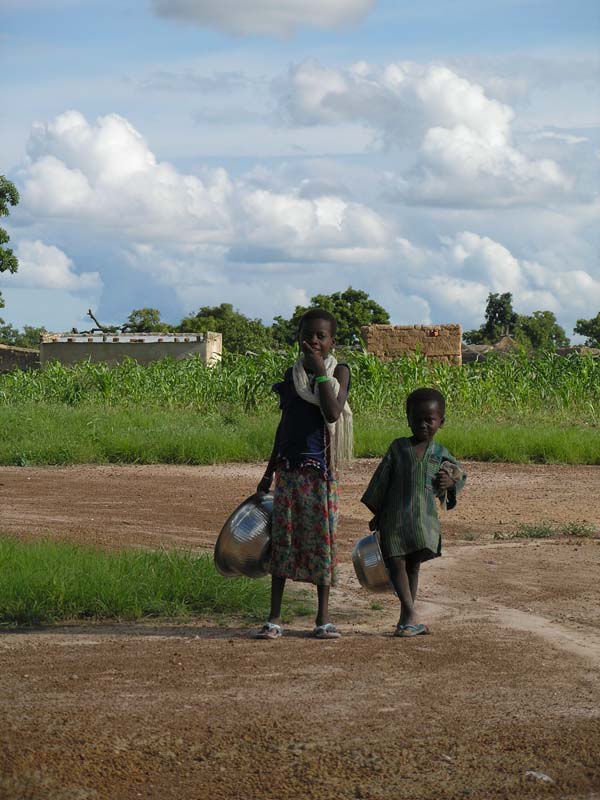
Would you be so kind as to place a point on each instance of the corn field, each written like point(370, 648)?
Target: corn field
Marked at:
point(502, 386)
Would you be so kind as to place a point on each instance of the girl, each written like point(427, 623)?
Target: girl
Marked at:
point(313, 436)
point(402, 495)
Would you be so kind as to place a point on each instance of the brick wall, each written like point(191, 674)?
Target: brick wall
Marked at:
point(18, 358)
point(436, 342)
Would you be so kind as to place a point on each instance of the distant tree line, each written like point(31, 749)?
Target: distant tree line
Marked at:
point(352, 308)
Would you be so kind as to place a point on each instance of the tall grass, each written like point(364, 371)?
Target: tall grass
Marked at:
point(46, 581)
point(513, 408)
point(512, 384)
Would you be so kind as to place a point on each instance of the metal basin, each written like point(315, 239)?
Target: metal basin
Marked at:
point(369, 565)
point(244, 545)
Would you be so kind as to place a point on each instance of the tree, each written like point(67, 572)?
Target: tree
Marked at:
point(28, 337)
point(352, 309)
point(500, 320)
point(8, 195)
point(146, 320)
point(540, 331)
point(240, 333)
point(589, 328)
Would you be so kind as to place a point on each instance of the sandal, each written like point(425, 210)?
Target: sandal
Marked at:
point(411, 630)
point(327, 631)
point(270, 630)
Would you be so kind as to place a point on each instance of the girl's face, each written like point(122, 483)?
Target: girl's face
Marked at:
point(425, 419)
point(317, 333)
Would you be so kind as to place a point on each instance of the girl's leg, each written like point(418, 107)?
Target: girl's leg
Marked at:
point(399, 576)
point(323, 607)
point(277, 587)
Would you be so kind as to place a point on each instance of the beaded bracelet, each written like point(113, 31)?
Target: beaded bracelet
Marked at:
point(322, 378)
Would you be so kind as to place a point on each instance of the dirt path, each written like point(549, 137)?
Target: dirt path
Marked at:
point(502, 700)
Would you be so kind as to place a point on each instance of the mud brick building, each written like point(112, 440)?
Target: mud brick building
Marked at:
point(435, 342)
point(18, 358)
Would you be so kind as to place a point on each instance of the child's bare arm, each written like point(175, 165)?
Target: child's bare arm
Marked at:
point(266, 480)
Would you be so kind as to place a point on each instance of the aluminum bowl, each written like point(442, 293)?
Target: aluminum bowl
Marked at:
point(244, 545)
point(369, 565)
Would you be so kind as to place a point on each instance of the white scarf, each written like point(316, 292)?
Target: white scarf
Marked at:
point(340, 432)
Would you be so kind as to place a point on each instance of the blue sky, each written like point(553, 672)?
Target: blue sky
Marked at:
point(180, 153)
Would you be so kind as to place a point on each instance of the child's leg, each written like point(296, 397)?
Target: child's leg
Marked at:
point(277, 587)
point(404, 582)
point(323, 607)
point(412, 568)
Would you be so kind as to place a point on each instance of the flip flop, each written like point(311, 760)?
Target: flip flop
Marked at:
point(327, 631)
point(270, 630)
point(411, 630)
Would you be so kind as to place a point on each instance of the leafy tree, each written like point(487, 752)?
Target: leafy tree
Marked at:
point(146, 320)
point(500, 320)
point(540, 331)
point(589, 328)
point(28, 337)
point(240, 333)
point(8, 196)
point(352, 309)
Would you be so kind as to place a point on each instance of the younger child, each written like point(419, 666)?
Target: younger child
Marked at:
point(313, 436)
point(414, 475)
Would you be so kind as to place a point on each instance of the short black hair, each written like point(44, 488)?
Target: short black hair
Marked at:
point(424, 395)
point(318, 313)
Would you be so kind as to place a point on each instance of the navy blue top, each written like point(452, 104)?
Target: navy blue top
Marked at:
point(303, 436)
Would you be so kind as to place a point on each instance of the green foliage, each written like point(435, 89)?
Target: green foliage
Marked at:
point(540, 331)
point(500, 320)
point(8, 196)
point(548, 530)
point(146, 320)
point(47, 581)
point(240, 333)
point(28, 337)
point(352, 309)
point(515, 408)
point(589, 328)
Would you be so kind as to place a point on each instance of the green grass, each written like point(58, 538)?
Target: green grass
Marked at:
point(44, 433)
point(44, 582)
point(548, 530)
point(541, 409)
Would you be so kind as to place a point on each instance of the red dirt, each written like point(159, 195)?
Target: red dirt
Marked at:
point(507, 684)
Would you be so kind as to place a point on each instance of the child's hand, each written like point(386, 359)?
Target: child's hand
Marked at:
point(313, 360)
point(264, 485)
point(443, 481)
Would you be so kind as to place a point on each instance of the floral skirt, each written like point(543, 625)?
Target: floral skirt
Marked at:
point(303, 532)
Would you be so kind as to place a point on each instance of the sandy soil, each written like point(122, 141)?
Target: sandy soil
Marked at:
point(502, 700)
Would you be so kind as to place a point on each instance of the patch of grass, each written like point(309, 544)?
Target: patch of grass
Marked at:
point(547, 530)
point(46, 433)
point(470, 536)
point(376, 606)
point(44, 582)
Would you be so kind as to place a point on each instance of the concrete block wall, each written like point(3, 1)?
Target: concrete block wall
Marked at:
point(18, 358)
point(436, 342)
point(145, 348)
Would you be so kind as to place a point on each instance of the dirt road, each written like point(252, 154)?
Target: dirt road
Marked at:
point(502, 700)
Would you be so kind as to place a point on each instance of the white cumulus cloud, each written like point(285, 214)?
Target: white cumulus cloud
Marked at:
point(461, 139)
point(104, 175)
point(280, 18)
point(44, 266)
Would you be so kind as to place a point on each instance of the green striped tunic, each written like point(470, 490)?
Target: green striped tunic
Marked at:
point(401, 494)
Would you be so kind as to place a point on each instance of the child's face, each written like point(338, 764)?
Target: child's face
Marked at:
point(425, 419)
point(317, 333)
